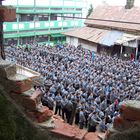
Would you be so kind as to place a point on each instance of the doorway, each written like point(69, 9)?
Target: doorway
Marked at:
point(138, 56)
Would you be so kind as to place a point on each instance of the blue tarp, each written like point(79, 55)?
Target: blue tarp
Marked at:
point(110, 38)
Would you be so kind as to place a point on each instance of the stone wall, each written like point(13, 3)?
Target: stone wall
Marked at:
point(127, 125)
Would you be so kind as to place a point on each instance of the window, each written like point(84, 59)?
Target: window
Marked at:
point(43, 18)
point(56, 8)
point(78, 9)
point(68, 16)
point(53, 16)
point(26, 17)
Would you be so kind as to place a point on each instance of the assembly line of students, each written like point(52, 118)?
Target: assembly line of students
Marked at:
point(82, 91)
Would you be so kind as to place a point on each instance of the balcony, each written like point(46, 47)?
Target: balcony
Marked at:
point(13, 29)
point(49, 9)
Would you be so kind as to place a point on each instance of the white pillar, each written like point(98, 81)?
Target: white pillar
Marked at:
point(17, 15)
point(121, 50)
point(35, 20)
point(18, 37)
point(136, 53)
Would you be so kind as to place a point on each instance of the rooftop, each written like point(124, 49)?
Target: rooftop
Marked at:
point(115, 17)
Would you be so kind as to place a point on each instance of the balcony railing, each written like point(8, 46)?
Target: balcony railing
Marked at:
point(14, 26)
point(13, 29)
point(49, 9)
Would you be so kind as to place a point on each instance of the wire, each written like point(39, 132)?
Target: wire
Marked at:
point(101, 19)
point(97, 19)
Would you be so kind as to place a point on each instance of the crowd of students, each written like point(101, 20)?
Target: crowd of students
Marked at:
point(83, 91)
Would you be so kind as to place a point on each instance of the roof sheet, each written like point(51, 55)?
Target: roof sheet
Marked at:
point(110, 38)
point(101, 36)
point(126, 38)
point(116, 13)
point(87, 33)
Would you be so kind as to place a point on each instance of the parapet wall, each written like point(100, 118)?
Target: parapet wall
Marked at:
point(40, 122)
point(126, 126)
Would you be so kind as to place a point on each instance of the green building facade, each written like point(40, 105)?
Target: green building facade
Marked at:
point(42, 20)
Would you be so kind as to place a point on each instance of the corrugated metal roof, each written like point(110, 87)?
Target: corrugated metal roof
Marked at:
point(116, 13)
point(95, 35)
point(110, 38)
point(101, 36)
point(87, 33)
point(126, 38)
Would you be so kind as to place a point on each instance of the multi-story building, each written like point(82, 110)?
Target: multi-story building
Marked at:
point(42, 20)
point(117, 32)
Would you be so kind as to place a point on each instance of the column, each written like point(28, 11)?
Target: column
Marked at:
point(18, 34)
point(49, 38)
point(121, 51)
point(75, 13)
point(17, 15)
point(49, 16)
point(2, 54)
point(62, 16)
point(136, 53)
point(34, 20)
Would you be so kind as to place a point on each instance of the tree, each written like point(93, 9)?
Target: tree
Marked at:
point(90, 10)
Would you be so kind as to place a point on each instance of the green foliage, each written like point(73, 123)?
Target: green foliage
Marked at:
point(90, 10)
